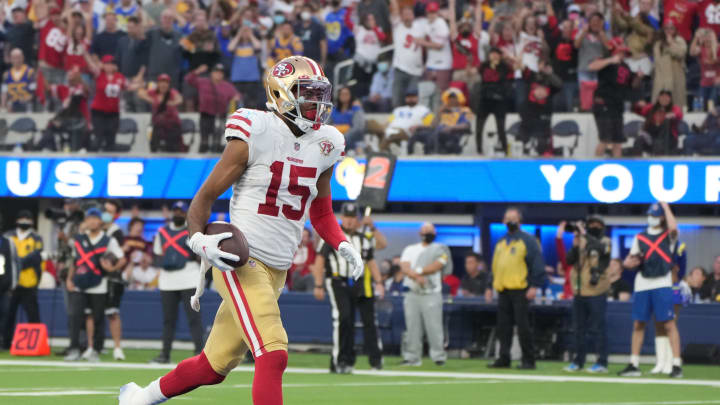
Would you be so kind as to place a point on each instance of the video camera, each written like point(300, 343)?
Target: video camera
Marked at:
point(60, 217)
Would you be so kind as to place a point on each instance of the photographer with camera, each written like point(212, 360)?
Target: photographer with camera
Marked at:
point(589, 258)
point(95, 255)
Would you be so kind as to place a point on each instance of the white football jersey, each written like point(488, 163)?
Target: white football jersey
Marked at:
point(271, 199)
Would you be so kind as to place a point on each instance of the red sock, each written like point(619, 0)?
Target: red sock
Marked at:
point(188, 375)
point(267, 383)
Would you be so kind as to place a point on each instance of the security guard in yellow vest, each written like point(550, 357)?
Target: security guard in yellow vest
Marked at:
point(518, 270)
point(28, 247)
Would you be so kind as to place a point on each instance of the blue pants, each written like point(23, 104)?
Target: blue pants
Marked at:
point(699, 143)
point(657, 302)
point(590, 328)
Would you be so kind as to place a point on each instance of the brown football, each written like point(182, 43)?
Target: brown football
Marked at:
point(236, 245)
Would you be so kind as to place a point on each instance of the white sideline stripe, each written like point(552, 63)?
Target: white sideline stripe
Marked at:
point(375, 384)
point(427, 374)
point(55, 393)
point(244, 316)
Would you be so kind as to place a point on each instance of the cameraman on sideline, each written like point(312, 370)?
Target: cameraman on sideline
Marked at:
point(589, 258)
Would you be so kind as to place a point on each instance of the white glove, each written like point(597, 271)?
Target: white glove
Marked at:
point(200, 288)
point(206, 246)
point(348, 252)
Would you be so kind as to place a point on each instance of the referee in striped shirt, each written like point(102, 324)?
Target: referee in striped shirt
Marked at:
point(332, 274)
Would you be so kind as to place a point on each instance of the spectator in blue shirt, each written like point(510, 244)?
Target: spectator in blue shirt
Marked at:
point(348, 117)
point(338, 28)
point(380, 97)
point(312, 35)
point(245, 73)
point(705, 138)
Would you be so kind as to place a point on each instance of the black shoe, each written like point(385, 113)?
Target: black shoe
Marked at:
point(526, 366)
point(440, 363)
point(676, 372)
point(161, 359)
point(499, 363)
point(632, 371)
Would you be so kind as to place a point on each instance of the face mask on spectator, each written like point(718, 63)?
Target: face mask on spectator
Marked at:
point(305, 15)
point(106, 217)
point(248, 23)
point(654, 222)
point(279, 19)
point(383, 67)
point(427, 237)
point(24, 225)
point(178, 220)
point(512, 226)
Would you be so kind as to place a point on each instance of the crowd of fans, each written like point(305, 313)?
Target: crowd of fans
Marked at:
point(97, 59)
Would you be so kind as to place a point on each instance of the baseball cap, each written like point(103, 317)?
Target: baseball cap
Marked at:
point(24, 214)
point(595, 218)
point(411, 91)
point(656, 210)
point(432, 7)
point(180, 205)
point(163, 77)
point(617, 44)
point(573, 8)
point(93, 212)
point(219, 67)
point(108, 59)
point(349, 209)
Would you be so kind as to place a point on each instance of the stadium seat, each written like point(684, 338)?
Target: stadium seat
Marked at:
point(630, 130)
point(566, 136)
point(17, 133)
point(189, 128)
point(683, 131)
point(129, 128)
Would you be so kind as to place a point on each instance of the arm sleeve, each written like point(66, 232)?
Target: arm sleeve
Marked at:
point(323, 220)
point(157, 245)
point(635, 248)
point(115, 249)
point(534, 261)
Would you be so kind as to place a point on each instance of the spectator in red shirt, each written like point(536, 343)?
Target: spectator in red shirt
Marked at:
point(709, 13)
point(659, 134)
point(214, 95)
point(705, 47)
point(681, 14)
point(79, 34)
point(105, 108)
point(52, 45)
point(465, 43)
point(167, 130)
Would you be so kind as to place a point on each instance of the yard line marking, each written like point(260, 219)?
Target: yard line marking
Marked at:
point(371, 384)
point(55, 393)
point(690, 402)
point(384, 373)
point(43, 370)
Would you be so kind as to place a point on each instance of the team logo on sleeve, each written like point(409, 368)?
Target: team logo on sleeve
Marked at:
point(326, 147)
point(283, 69)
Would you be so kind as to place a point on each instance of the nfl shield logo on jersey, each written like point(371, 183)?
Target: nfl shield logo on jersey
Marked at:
point(326, 147)
point(297, 146)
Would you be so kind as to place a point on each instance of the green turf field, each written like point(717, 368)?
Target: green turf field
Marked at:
point(459, 382)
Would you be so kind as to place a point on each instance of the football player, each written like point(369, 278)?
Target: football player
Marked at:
point(278, 162)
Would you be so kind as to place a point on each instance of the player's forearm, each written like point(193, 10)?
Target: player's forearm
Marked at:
point(432, 268)
point(199, 213)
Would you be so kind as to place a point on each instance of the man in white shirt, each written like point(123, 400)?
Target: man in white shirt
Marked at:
point(653, 252)
point(403, 122)
point(177, 280)
point(407, 61)
point(435, 38)
point(95, 254)
point(423, 264)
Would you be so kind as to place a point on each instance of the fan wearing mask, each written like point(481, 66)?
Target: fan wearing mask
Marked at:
point(179, 267)
point(518, 271)
point(423, 265)
point(27, 246)
point(652, 254)
point(590, 258)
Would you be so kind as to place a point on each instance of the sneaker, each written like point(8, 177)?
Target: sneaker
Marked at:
point(93, 357)
point(345, 369)
point(87, 353)
point(499, 363)
point(630, 371)
point(407, 363)
point(526, 366)
point(440, 363)
point(72, 355)
point(572, 367)
point(676, 372)
point(127, 392)
point(160, 359)
point(598, 369)
point(118, 354)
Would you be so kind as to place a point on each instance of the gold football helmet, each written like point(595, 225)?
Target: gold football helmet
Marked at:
point(297, 88)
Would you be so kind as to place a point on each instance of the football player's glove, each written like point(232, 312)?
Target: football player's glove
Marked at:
point(206, 246)
point(349, 253)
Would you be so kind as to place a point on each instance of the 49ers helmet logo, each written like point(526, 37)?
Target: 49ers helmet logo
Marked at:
point(283, 69)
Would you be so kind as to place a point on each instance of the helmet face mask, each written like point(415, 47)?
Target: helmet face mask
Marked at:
point(297, 88)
